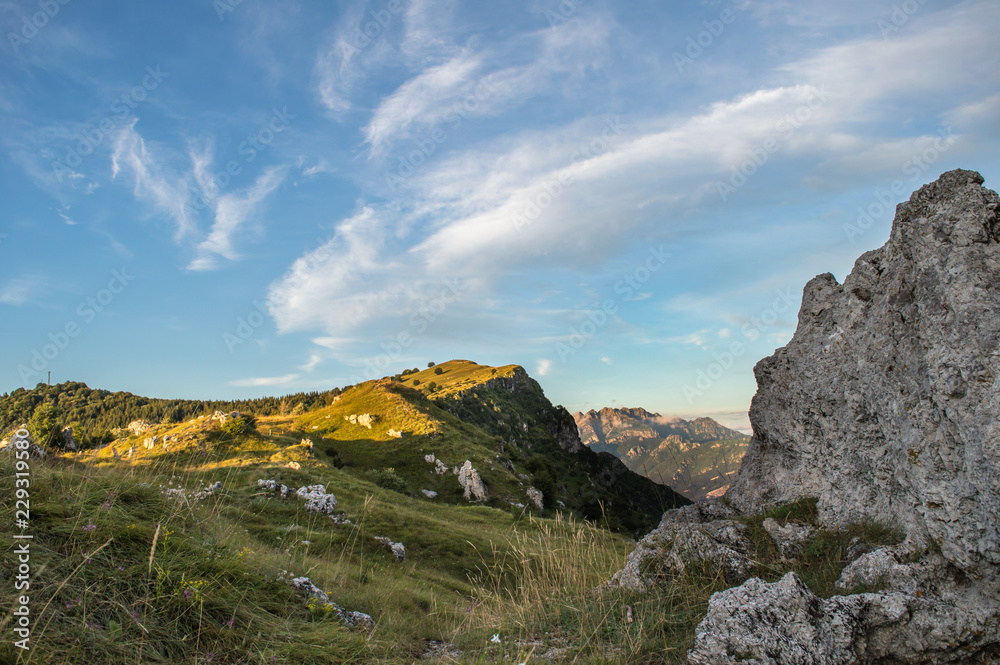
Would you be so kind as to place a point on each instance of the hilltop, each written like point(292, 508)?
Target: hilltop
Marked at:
point(695, 457)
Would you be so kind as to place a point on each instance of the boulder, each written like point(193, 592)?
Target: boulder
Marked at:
point(536, 497)
point(470, 481)
point(137, 427)
point(699, 536)
point(398, 551)
point(885, 404)
point(885, 407)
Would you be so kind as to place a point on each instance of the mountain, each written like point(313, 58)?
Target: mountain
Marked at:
point(695, 457)
point(496, 418)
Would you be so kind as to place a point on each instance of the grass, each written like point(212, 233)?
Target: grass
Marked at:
point(126, 570)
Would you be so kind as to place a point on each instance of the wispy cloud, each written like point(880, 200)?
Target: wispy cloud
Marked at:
point(167, 192)
point(544, 367)
point(261, 381)
point(231, 211)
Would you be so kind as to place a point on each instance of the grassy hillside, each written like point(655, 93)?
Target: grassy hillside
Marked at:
point(175, 553)
point(695, 457)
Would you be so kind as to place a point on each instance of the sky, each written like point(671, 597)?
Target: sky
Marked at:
point(234, 198)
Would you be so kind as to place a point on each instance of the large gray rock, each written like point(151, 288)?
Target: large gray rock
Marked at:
point(885, 404)
point(785, 624)
point(470, 481)
point(695, 537)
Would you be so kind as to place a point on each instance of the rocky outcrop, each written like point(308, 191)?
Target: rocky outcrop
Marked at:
point(536, 497)
point(397, 549)
point(885, 407)
point(702, 535)
point(137, 427)
point(470, 481)
point(320, 600)
point(784, 623)
point(885, 404)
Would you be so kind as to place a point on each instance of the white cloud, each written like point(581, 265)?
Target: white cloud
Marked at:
point(314, 360)
point(256, 382)
point(606, 361)
point(544, 367)
point(167, 193)
point(231, 211)
point(550, 199)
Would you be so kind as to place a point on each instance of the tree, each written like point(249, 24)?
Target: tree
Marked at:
point(416, 382)
point(430, 364)
point(44, 424)
point(438, 370)
point(244, 424)
point(432, 385)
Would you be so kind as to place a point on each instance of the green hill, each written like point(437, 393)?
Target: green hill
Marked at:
point(167, 544)
point(695, 457)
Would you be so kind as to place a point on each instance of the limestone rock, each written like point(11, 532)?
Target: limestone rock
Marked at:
point(430, 494)
point(396, 434)
point(398, 551)
point(789, 537)
point(67, 436)
point(352, 619)
point(440, 468)
point(702, 534)
point(536, 497)
point(783, 623)
point(470, 481)
point(137, 427)
point(885, 404)
point(318, 499)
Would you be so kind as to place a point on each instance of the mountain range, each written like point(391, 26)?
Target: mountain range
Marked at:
point(695, 457)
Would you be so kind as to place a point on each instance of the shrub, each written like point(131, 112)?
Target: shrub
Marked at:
point(389, 479)
point(432, 385)
point(416, 382)
point(430, 364)
point(245, 424)
point(438, 370)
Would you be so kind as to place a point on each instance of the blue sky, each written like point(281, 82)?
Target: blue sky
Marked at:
point(240, 198)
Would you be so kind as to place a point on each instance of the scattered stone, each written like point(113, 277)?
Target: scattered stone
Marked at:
point(396, 434)
point(365, 419)
point(439, 466)
point(352, 619)
point(274, 486)
point(789, 538)
point(317, 499)
point(308, 443)
point(430, 494)
point(149, 442)
point(67, 436)
point(293, 465)
point(137, 427)
point(536, 497)
point(470, 481)
point(398, 551)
